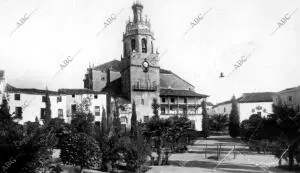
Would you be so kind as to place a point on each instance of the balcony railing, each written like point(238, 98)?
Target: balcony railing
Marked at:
point(180, 113)
point(152, 88)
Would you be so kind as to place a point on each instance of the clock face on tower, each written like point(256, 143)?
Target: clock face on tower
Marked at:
point(145, 66)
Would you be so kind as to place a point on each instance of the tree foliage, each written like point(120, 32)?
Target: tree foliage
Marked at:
point(23, 148)
point(133, 121)
point(205, 120)
point(234, 119)
point(83, 123)
point(155, 107)
point(81, 150)
point(218, 122)
point(167, 134)
point(48, 113)
point(288, 119)
point(103, 121)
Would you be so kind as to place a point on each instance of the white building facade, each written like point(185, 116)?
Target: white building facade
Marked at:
point(30, 103)
point(249, 103)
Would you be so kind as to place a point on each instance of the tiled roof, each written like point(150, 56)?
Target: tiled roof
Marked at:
point(168, 79)
point(257, 97)
point(222, 103)
point(12, 89)
point(209, 104)
point(77, 91)
point(180, 93)
point(114, 65)
point(290, 89)
point(164, 71)
point(227, 102)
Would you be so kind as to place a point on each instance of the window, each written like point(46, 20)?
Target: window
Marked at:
point(18, 111)
point(290, 98)
point(123, 119)
point(184, 110)
point(103, 78)
point(43, 98)
point(146, 118)
point(185, 100)
point(73, 95)
point(224, 109)
point(163, 110)
point(95, 96)
point(163, 100)
point(73, 108)
point(171, 108)
point(133, 45)
point(144, 45)
point(17, 97)
point(97, 110)
point(172, 100)
point(142, 101)
point(58, 99)
point(60, 113)
point(43, 110)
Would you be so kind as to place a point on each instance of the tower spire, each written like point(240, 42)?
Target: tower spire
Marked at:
point(137, 8)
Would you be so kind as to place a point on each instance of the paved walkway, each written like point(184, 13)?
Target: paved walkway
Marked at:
point(245, 161)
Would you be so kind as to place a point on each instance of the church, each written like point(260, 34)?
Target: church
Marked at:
point(137, 77)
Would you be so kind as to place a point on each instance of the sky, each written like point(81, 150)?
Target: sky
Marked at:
point(198, 39)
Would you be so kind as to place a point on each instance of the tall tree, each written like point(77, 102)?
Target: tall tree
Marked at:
point(234, 119)
point(103, 121)
point(81, 150)
point(4, 110)
point(157, 132)
point(133, 121)
point(22, 149)
point(47, 116)
point(288, 120)
point(155, 107)
point(205, 120)
point(218, 122)
point(116, 119)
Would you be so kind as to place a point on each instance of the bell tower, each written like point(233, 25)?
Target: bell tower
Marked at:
point(140, 65)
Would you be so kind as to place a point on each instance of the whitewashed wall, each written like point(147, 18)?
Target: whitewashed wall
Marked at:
point(100, 101)
point(32, 103)
point(246, 109)
point(220, 109)
point(295, 94)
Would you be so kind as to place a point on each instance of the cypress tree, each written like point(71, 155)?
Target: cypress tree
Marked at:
point(103, 121)
point(47, 116)
point(234, 119)
point(155, 108)
point(133, 121)
point(205, 120)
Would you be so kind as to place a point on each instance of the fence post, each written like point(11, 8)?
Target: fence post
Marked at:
point(205, 149)
point(234, 151)
point(220, 150)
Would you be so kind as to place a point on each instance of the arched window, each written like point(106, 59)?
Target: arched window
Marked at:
point(144, 45)
point(133, 45)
